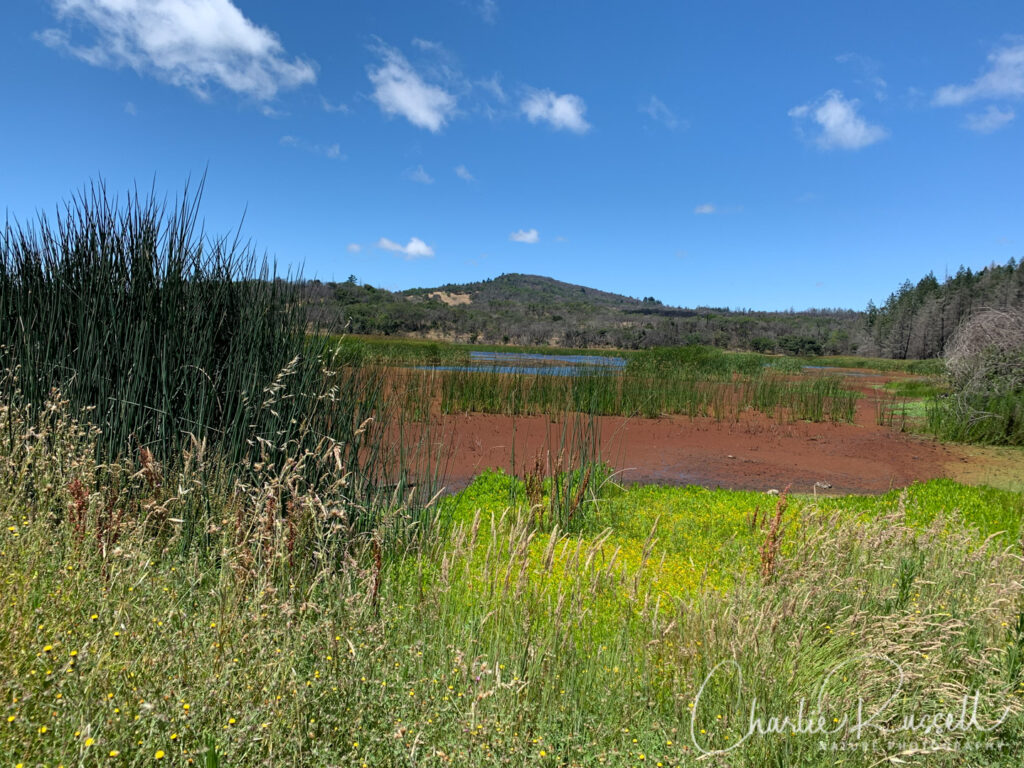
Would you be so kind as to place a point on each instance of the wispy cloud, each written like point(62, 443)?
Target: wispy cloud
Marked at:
point(330, 151)
point(991, 120)
point(420, 176)
point(562, 112)
point(705, 209)
point(840, 125)
point(129, 108)
point(869, 70)
point(414, 249)
point(400, 90)
point(524, 236)
point(329, 107)
point(353, 247)
point(657, 110)
point(195, 44)
point(463, 173)
point(1004, 79)
point(488, 10)
point(493, 86)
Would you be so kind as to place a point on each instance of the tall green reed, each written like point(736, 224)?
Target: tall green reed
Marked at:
point(166, 338)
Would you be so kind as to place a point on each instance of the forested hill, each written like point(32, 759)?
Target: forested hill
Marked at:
point(535, 310)
point(915, 321)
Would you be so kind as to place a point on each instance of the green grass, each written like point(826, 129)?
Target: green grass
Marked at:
point(986, 420)
point(917, 388)
point(497, 639)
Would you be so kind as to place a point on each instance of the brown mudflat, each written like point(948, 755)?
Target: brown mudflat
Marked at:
point(754, 452)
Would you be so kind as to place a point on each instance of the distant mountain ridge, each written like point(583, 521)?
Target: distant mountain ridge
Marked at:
point(536, 310)
point(915, 321)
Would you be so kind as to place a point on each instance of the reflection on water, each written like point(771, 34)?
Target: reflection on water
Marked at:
point(839, 371)
point(535, 364)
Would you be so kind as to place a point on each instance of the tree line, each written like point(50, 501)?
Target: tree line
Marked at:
point(916, 321)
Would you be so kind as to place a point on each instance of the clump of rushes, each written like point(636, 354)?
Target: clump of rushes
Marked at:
point(166, 338)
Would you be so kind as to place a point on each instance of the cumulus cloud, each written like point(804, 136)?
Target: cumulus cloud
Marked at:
point(524, 236)
point(989, 121)
point(195, 44)
point(420, 176)
point(463, 173)
point(414, 249)
point(656, 110)
point(705, 209)
point(1003, 79)
point(841, 127)
point(400, 90)
point(562, 112)
point(353, 248)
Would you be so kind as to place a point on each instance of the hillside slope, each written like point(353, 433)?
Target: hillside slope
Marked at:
point(534, 310)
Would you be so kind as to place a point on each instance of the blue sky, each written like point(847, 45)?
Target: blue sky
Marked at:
point(741, 154)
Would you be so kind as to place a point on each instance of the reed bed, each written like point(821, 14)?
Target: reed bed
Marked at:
point(818, 398)
point(165, 339)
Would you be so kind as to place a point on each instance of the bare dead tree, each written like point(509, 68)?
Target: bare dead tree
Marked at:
point(986, 354)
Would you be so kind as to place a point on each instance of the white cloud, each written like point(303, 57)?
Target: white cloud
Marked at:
point(657, 110)
point(525, 236)
point(194, 44)
point(1004, 79)
point(562, 112)
point(400, 90)
point(488, 10)
point(420, 176)
point(414, 249)
point(493, 86)
point(331, 151)
point(329, 107)
point(463, 173)
point(841, 126)
point(705, 209)
point(991, 120)
point(869, 69)
point(129, 108)
point(353, 248)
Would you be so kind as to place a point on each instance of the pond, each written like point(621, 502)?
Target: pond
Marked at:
point(535, 364)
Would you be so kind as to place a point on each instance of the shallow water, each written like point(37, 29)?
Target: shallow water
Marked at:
point(839, 371)
point(535, 364)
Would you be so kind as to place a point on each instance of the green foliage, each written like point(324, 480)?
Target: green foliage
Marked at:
point(163, 337)
point(917, 320)
point(988, 420)
point(917, 388)
point(492, 641)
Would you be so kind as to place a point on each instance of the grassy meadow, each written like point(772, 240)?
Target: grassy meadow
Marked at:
point(211, 556)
